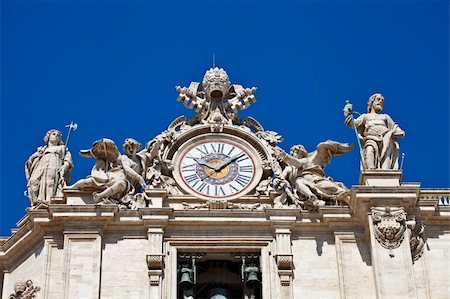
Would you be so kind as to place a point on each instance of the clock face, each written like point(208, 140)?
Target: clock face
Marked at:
point(217, 168)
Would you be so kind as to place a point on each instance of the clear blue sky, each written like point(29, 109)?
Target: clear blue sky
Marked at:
point(112, 66)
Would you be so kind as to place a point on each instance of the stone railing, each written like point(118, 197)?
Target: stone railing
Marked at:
point(439, 196)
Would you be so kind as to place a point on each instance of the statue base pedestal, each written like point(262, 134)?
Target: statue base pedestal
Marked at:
point(380, 178)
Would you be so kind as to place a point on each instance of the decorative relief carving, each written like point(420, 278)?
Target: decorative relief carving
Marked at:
point(24, 290)
point(216, 101)
point(155, 264)
point(389, 226)
point(222, 205)
point(298, 179)
point(284, 261)
point(417, 242)
point(155, 261)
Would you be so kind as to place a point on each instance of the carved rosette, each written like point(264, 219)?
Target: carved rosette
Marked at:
point(24, 290)
point(389, 226)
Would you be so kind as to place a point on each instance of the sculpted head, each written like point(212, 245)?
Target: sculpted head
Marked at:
point(298, 151)
point(216, 83)
point(53, 137)
point(131, 146)
point(375, 103)
point(20, 287)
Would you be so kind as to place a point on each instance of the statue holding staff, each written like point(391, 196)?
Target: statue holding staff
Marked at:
point(378, 134)
point(47, 170)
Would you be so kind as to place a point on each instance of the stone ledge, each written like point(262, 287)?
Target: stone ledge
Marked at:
point(381, 177)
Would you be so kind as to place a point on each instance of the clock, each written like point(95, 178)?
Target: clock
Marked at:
point(217, 167)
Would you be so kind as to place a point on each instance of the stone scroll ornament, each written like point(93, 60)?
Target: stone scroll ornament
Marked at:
point(377, 134)
point(24, 290)
point(417, 241)
point(389, 226)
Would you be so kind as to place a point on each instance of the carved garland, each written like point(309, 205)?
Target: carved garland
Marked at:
point(389, 226)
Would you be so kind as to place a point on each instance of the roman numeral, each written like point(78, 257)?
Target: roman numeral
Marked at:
point(233, 189)
point(191, 178)
point(218, 191)
point(243, 158)
point(242, 179)
point(218, 148)
point(204, 151)
point(232, 149)
point(247, 168)
point(202, 187)
point(191, 157)
point(190, 167)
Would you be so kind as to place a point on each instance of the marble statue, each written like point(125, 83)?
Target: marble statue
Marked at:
point(304, 174)
point(378, 134)
point(47, 170)
point(216, 101)
point(113, 176)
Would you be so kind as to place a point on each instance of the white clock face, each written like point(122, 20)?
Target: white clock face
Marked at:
point(217, 168)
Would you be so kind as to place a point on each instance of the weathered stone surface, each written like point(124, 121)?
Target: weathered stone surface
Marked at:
point(128, 229)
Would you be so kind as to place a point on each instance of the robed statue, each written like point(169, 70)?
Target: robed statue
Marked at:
point(47, 170)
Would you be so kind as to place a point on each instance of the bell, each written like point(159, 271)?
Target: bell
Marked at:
point(218, 293)
point(186, 279)
point(252, 277)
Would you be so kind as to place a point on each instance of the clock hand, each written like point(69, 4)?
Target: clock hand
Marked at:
point(227, 161)
point(204, 163)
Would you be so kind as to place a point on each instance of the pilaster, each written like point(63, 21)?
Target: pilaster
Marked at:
point(52, 271)
point(82, 262)
point(155, 260)
point(155, 222)
point(387, 209)
point(283, 256)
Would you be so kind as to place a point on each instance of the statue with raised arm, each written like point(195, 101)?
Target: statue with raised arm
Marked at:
point(378, 134)
point(113, 176)
point(305, 173)
point(47, 170)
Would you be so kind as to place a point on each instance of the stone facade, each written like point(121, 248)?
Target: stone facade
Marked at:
point(287, 232)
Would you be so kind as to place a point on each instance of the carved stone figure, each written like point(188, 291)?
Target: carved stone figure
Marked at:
point(378, 134)
point(155, 166)
point(47, 170)
point(304, 172)
point(24, 290)
point(113, 176)
point(216, 101)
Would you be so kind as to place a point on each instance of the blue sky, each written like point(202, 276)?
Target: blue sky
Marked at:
point(112, 66)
